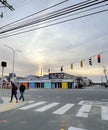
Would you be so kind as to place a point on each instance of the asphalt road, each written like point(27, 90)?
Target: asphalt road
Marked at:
point(59, 109)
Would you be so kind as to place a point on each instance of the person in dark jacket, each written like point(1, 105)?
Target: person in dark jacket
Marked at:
point(21, 89)
point(14, 92)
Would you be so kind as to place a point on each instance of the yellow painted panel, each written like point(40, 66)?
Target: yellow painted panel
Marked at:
point(64, 85)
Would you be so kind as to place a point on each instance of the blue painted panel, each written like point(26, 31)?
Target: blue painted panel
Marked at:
point(47, 85)
point(31, 85)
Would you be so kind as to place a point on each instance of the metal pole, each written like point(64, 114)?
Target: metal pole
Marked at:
point(2, 80)
point(105, 70)
point(1, 100)
point(13, 51)
point(13, 60)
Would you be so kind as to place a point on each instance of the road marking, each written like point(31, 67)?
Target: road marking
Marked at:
point(105, 99)
point(84, 110)
point(74, 128)
point(104, 113)
point(63, 109)
point(32, 105)
point(31, 101)
point(47, 107)
point(93, 103)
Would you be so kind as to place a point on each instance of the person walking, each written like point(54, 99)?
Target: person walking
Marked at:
point(14, 92)
point(22, 89)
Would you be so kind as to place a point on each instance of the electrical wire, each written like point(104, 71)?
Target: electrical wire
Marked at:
point(55, 23)
point(34, 14)
point(54, 15)
point(63, 17)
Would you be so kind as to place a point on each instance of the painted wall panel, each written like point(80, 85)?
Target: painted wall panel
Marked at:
point(26, 84)
point(31, 85)
point(47, 85)
point(64, 85)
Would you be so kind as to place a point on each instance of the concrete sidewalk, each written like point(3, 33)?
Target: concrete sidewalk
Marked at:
point(95, 87)
point(7, 105)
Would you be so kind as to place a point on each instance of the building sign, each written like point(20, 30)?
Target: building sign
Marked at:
point(56, 80)
point(56, 75)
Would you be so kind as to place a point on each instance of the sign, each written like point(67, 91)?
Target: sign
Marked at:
point(56, 75)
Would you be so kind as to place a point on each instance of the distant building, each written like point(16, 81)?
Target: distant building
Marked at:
point(53, 80)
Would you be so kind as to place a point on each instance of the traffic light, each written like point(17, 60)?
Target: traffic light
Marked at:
point(61, 68)
point(4, 64)
point(90, 61)
point(49, 70)
point(71, 66)
point(81, 63)
point(99, 58)
point(1, 15)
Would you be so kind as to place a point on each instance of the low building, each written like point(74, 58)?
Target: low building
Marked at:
point(54, 80)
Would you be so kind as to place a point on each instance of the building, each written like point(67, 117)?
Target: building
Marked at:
point(54, 80)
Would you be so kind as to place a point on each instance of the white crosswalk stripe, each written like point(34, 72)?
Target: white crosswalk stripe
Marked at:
point(83, 111)
point(74, 128)
point(63, 109)
point(32, 105)
point(42, 109)
point(104, 113)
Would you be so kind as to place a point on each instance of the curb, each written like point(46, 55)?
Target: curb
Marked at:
point(6, 106)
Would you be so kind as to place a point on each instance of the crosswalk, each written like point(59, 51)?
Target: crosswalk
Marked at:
point(83, 111)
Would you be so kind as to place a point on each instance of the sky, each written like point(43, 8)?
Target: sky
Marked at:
point(55, 46)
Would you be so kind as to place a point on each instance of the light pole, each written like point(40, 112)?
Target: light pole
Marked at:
point(14, 51)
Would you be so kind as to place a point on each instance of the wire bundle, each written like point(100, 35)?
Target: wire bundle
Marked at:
point(33, 22)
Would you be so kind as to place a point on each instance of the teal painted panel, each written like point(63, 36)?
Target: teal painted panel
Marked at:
point(47, 85)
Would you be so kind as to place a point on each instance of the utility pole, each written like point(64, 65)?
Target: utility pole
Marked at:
point(6, 4)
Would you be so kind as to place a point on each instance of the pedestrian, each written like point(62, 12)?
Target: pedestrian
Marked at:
point(14, 92)
point(22, 89)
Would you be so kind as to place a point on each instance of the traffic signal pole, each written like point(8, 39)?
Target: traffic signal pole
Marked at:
point(105, 70)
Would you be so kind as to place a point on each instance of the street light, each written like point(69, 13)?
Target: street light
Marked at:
point(14, 51)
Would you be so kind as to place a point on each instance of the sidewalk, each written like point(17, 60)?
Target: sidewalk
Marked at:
point(95, 87)
point(6, 105)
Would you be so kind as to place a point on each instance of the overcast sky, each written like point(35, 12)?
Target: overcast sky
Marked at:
point(60, 45)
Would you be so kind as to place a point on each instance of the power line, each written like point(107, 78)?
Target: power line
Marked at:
point(52, 15)
point(34, 14)
point(56, 13)
point(55, 23)
point(63, 17)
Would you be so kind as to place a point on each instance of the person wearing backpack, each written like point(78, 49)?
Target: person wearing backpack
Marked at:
point(14, 92)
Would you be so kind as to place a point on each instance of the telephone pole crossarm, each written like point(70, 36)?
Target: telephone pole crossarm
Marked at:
point(4, 2)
